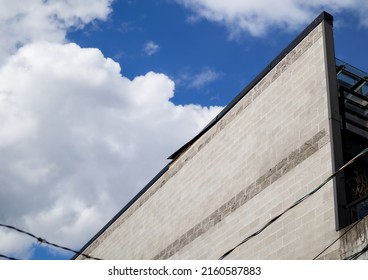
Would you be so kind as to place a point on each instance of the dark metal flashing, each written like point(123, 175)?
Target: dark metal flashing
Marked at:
point(130, 203)
point(324, 16)
point(341, 215)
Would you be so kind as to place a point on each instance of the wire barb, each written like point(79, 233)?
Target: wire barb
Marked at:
point(295, 204)
point(42, 240)
point(7, 258)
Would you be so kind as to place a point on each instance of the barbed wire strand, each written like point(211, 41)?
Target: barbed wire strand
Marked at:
point(42, 240)
point(8, 258)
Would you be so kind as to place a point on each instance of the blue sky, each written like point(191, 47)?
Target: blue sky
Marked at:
point(95, 95)
point(187, 49)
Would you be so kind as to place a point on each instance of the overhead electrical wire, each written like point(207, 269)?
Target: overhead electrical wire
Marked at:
point(42, 240)
point(341, 236)
point(355, 256)
point(8, 258)
point(294, 204)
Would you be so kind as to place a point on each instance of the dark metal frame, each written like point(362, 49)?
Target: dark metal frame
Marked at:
point(323, 17)
point(336, 139)
point(352, 141)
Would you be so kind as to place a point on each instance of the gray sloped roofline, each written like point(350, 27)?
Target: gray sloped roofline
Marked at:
point(324, 16)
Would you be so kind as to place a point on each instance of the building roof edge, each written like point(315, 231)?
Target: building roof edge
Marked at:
point(324, 16)
point(130, 203)
point(321, 17)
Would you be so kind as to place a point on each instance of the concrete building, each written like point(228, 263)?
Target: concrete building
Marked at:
point(292, 127)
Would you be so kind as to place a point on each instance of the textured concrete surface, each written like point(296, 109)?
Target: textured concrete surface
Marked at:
point(269, 150)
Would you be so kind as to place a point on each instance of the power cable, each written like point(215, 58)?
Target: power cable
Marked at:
point(295, 204)
point(354, 225)
point(8, 258)
point(355, 256)
point(42, 240)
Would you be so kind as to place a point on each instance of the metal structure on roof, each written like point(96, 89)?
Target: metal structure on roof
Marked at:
point(353, 97)
point(353, 85)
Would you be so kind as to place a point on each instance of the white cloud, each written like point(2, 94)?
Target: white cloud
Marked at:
point(25, 21)
point(197, 80)
point(203, 78)
point(151, 48)
point(78, 140)
point(258, 17)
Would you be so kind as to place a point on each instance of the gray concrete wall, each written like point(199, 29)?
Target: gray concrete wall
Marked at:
point(354, 239)
point(269, 150)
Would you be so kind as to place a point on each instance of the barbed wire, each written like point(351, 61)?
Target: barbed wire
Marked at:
point(42, 240)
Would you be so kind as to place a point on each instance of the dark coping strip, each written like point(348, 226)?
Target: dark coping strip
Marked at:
point(127, 206)
point(323, 16)
point(280, 169)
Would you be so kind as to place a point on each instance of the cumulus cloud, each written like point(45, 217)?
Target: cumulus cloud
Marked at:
point(258, 17)
point(25, 21)
point(151, 48)
point(77, 139)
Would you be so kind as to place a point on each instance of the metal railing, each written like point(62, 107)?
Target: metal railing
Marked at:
point(354, 111)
